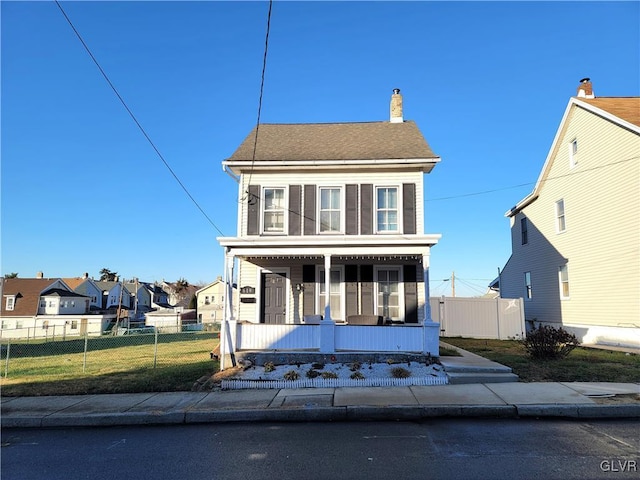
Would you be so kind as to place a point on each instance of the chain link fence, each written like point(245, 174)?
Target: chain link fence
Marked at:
point(61, 356)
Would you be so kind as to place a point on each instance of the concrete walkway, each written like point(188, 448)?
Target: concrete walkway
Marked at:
point(323, 404)
point(478, 388)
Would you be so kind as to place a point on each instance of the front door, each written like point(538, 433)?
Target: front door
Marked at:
point(274, 305)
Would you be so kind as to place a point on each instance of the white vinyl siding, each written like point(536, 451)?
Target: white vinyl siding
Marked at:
point(603, 229)
point(358, 177)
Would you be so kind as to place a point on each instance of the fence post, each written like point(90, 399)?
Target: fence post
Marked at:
point(6, 365)
point(84, 358)
point(155, 350)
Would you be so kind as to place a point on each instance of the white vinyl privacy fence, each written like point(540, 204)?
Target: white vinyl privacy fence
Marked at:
point(496, 318)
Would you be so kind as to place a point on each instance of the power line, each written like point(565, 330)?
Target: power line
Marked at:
point(484, 192)
point(264, 68)
point(166, 164)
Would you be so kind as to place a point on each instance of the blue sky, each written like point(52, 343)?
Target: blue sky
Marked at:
point(82, 189)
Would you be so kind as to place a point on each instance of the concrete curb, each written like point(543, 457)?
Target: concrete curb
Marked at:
point(326, 414)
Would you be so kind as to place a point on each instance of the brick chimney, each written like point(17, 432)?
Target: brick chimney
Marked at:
point(585, 89)
point(396, 107)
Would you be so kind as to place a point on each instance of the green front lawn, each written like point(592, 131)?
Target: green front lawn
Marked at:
point(581, 365)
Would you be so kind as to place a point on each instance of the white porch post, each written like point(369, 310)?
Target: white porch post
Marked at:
point(228, 330)
point(431, 329)
point(327, 325)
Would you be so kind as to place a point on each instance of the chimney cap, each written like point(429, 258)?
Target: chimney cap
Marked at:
point(396, 91)
point(585, 80)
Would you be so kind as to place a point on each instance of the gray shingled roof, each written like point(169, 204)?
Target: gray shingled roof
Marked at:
point(335, 141)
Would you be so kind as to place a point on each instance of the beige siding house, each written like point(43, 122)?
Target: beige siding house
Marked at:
point(576, 238)
point(331, 233)
point(210, 301)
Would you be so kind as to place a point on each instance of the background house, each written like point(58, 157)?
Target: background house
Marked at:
point(576, 238)
point(86, 286)
point(210, 301)
point(44, 307)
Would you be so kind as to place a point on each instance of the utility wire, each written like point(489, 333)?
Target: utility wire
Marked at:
point(135, 119)
point(264, 68)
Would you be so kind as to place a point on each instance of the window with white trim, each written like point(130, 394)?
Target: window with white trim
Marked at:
point(330, 210)
point(387, 209)
point(573, 153)
point(563, 275)
point(11, 302)
point(273, 213)
point(528, 292)
point(561, 223)
point(336, 297)
point(388, 298)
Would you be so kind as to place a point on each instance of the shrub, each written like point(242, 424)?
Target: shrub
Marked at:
point(548, 343)
point(357, 376)
point(399, 372)
point(269, 367)
point(313, 373)
point(355, 366)
point(291, 375)
point(326, 375)
point(317, 366)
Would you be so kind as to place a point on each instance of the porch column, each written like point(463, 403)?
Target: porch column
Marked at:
point(431, 329)
point(327, 325)
point(228, 327)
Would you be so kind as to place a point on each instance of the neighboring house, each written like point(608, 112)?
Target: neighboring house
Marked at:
point(331, 226)
point(576, 238)
point(179, 295)
point(116, 298)
point(159, 298)
point(140, 299)
point(210, 301)
point(45, 307)
point(87, 287)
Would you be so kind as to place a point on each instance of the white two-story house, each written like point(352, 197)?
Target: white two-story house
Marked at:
point(331, 232)
point(576, 237)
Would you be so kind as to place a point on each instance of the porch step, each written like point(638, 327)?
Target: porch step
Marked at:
point(458, 378)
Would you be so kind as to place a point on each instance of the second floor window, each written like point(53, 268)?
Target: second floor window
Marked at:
point(387, 209)
point(524, 231)
point(330, 210)
point(563, 274)
point(573, 153)
point(10, 303)
point(561, 224)
point(273, 215)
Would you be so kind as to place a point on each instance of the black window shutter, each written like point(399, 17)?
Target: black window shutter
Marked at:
point(351, 281)
point(309, 209)
point(409, 207)
point(366, 279)
point(253, 210)
point(410, 294)
point(351, 215)
point(295, 199)
point(366, 202)
point(308, 297)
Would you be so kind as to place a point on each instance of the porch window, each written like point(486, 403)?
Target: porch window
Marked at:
point(387, 209)
point(273, 214)
point(388, 293)
point(563, 275)
point(330, 206)
point(561, 224)
point(335, 296)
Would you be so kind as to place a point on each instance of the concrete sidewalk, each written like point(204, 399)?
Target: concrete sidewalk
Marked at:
point(324, 404)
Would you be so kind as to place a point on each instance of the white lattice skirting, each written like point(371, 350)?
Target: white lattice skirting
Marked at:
point(332, 382)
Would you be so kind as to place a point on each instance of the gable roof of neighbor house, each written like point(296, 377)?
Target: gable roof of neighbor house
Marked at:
point(331, 142)
point(624, 111)
point(27, 292)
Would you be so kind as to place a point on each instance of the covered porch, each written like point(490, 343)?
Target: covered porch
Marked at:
point(372, 300)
